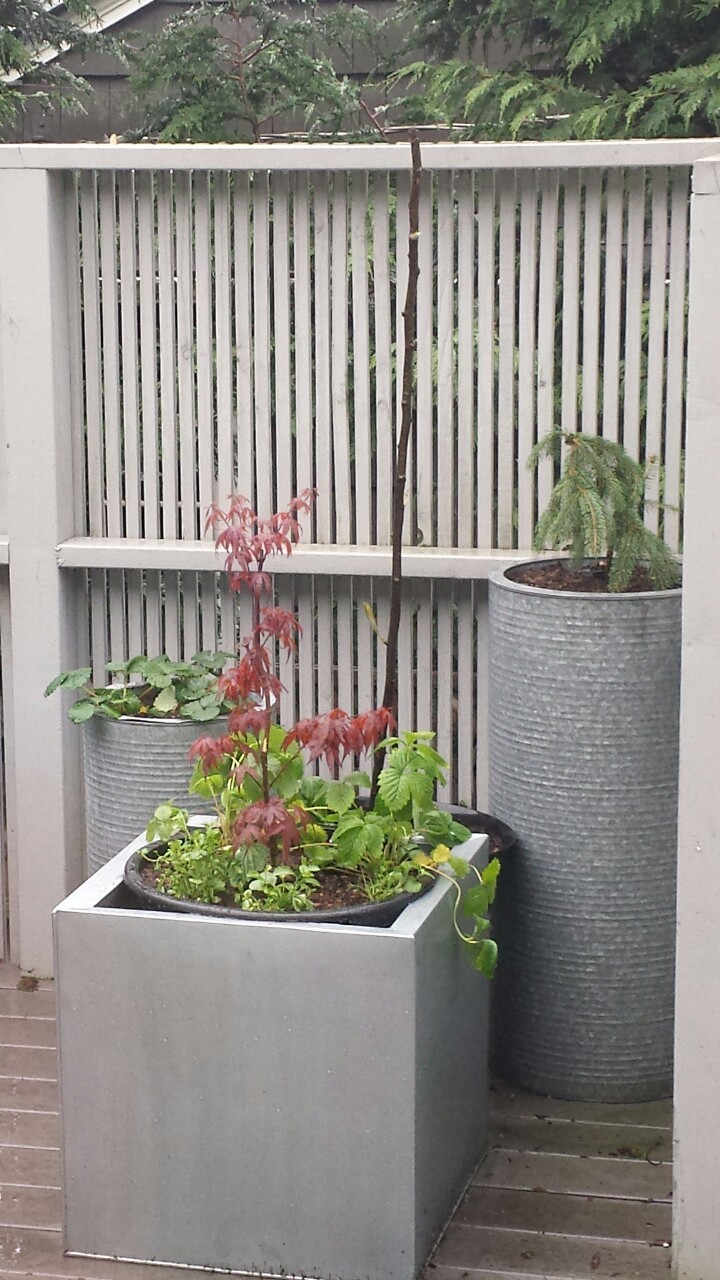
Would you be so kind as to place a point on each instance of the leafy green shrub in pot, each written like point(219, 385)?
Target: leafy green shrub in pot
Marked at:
point(150, 687)
point(285, 840)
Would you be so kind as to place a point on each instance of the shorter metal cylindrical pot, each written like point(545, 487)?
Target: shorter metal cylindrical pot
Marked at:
point(132, 765)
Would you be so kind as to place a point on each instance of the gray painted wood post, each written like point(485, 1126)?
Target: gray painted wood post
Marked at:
point(45, 843)
point(696, 1225)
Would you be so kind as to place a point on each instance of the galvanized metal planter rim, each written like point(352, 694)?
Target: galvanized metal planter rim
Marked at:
point(164, 719)
point(501, 579)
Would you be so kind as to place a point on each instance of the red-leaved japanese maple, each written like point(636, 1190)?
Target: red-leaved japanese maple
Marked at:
point(253, 686)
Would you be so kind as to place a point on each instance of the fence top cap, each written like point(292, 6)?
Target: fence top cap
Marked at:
point(324, 156)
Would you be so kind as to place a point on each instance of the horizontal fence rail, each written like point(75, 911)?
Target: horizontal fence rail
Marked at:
point(230, 318)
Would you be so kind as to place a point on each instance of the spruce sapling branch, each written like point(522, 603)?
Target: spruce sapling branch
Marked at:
point(596, 510)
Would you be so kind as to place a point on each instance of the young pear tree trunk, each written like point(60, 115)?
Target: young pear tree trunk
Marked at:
point(407, 420)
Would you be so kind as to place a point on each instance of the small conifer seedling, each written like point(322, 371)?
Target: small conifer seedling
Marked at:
point(596, 511)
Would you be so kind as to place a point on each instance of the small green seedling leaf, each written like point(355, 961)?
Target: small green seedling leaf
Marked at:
point(340, 795)
point(475, 901)
point(69, 680)
point(166, 700)
point(486, 957)
point(81, 711)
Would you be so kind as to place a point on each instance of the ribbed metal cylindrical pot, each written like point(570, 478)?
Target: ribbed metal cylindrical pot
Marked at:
point(131, 766)
point(583, 710)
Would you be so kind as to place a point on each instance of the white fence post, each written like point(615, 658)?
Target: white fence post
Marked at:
point(46, 852)
point(696, 1226)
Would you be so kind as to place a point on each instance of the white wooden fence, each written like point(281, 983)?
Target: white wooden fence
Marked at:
point(178, 322)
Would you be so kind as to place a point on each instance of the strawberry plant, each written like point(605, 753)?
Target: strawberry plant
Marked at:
point(149, 687)
point(284, 838)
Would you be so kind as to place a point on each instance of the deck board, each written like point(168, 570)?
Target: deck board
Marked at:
point(568, 1191)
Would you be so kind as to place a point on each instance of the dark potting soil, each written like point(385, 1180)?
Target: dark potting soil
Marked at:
point(336, 889)
point(559, 575)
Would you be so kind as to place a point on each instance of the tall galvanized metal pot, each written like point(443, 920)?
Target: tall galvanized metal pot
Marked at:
point(131, 766)
point(584, 706)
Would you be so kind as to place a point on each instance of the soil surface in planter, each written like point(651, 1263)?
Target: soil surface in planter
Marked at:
point(336, 890)
point(559, 575)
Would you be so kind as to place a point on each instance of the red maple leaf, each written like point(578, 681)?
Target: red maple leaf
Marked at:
point(336, 735)
point(268, 821)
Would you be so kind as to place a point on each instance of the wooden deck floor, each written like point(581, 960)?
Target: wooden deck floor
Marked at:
point(568, 1192)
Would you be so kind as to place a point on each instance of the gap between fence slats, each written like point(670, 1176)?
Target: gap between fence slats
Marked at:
point(657, 328)
point(612, 309)
point(676, 372)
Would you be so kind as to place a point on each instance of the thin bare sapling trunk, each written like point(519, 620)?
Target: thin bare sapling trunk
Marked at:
point(407, 420)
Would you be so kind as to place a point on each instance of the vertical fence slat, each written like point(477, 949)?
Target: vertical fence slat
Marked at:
point(547, 304)
point(110, 356)
point(445, 669)
point(98, 625)
point(284, 444)
point(342, 594)
point(185, 275)
point(261, 347)
point(591, 301)
point(613, 299)
point(209, 637)
point(303, 335)
point(223, 313)
point(657, 315)
point(361, 421)
point(326, 672)
point(676, 339)
point(465, 359)
point(306, 664)
point(206, 353)
point(383, 358)
point(527, 294)
point(405, 660)
point(149, 374)
point(506, 361)
point(447, 497)
point(75, 356)
point(167, 326)
point(172, 615)
point(153, 620)
point(425, 717)
point(633, 310)
point(136, 639)
point(424, 439)
point(188, 585)
point(570, 301)
point(342, 481)
point(465, 699)
point(321, 332)
point(402, 232)
point(243, 477)
point(129, 351)
point(363, 594)
point(289, 703)
point(486, 360)
point(480, 611)
point(228, 618)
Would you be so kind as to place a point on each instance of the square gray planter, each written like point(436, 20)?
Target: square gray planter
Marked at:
point(278, 1098)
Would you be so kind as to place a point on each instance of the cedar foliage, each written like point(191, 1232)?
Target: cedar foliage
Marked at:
point(596, 510)
point(570, 68)
point(220, 71)
point(27, 28)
